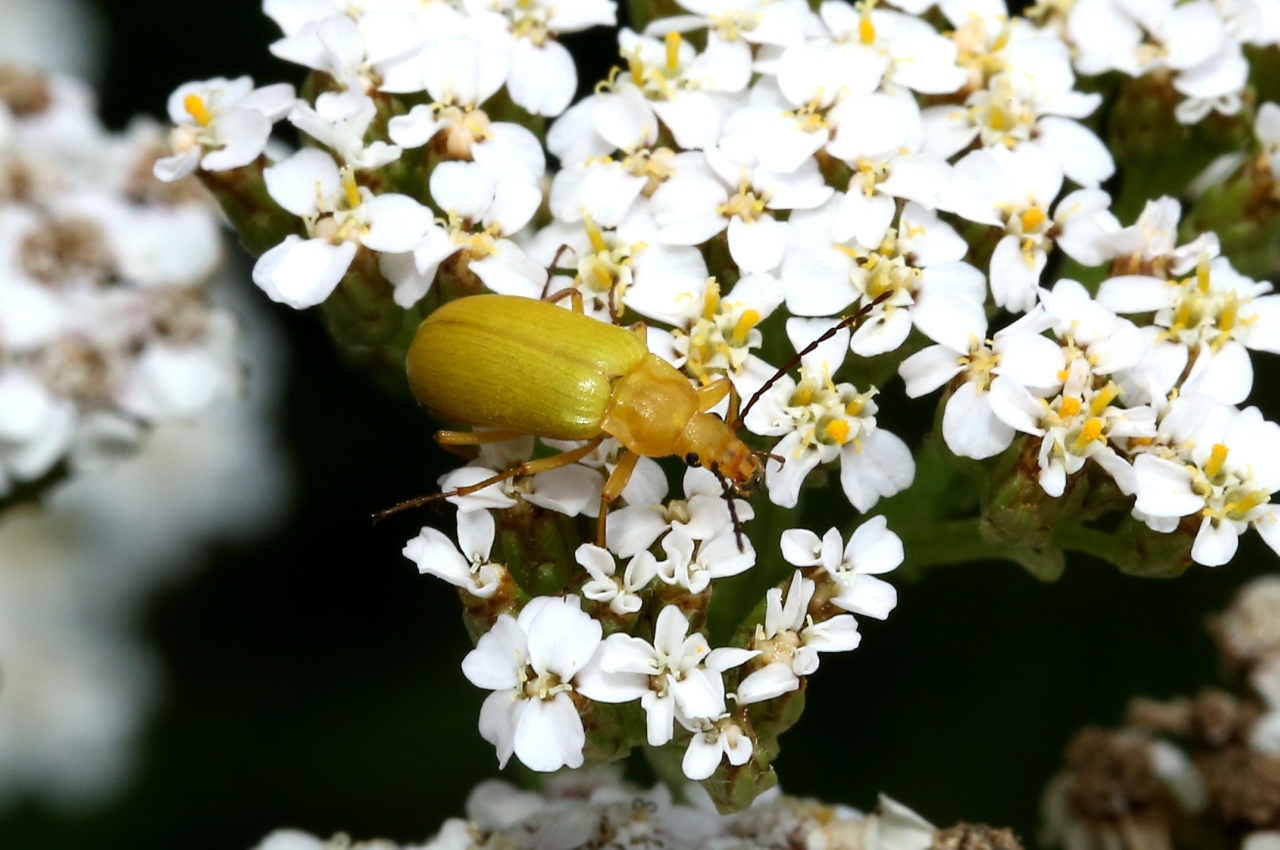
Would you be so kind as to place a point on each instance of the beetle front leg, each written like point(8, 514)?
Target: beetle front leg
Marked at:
point(574, 296)
point(613, 489)
point(713, 393)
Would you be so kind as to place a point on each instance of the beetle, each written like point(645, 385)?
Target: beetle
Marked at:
point(523, 366)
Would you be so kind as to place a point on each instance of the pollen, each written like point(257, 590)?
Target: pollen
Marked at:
point(1032, 218)
point(838, 431)
point(1070, 407)
point(1217, 457)
point(196, 108)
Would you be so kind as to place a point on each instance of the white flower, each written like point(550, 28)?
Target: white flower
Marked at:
point(529, 663)
point(1018, 362)
point(715, 740)
point(483, 207)
point(340, 215)
point(621, 592)
point(1217, 313)
point(614, 269)
point(340, 121)
point(690, 210)
point(470, 569)
point(221, 124)
point(1223, 464)
point(821, 421)
point(919, 262)
point(789, 642)
point(677, 677)
point(873, 550)
point(572, 490)
point(694, 566)
point(701, 514)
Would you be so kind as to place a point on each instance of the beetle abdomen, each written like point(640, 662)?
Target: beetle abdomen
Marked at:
point(520, 365)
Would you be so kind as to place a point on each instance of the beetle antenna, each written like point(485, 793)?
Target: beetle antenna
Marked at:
point(551, 269)
point(728, 498)
point(790, 364)
point(379, 516)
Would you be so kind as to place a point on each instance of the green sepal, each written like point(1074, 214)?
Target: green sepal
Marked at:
point(242, 193)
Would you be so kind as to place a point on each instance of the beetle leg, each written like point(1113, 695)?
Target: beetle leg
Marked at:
point(641, 330)
point(613, 489)
point(574, 296)
point(711, 395)
point(529, 467)
point(474, 438)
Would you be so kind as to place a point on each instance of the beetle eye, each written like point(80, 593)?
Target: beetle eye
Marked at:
point(691, 458)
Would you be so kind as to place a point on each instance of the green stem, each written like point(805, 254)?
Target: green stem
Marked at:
point(960, 541)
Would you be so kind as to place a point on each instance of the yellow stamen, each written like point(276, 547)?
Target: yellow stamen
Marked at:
point(673, 52)
point(196, 109)
point(351, 189)
point(1070, 407)
point(1202, 274)
point(1217, 457)
point(594, 234)
point(1103, 399)
point(1091, 431)
point(854, 408)
point(838, 431)
point(748, 320)
point(1238, 508)
point(711, 300)
point(1032, 218)
point(866, 29)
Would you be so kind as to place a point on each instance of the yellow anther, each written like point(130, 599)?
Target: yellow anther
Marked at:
point(1217, 457)
point(1070, 407)
point(1238, 508)
point(748, 320)
point(854, 408)
point(838, 431)
point(1032, 218)
point(673, 52)
point(997, 119)
point(803, 396)
point(711, 300)
point(351, 190)
point(196, 109)
point(1230, 312)
point(1202, 274)
point(1104, 398)
point(1091, 431)
point(866, 29)
point(594, 234)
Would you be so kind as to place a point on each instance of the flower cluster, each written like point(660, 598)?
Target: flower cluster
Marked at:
point(595, 809)
point(751, 170)
point(1184, 772)
point(106, 326)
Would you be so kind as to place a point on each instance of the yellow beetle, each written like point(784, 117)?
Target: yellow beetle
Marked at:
point(523, 366)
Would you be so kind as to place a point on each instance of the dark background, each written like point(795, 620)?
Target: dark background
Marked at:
point(313, 679)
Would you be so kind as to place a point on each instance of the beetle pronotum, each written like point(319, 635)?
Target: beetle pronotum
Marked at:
point(527, 367)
